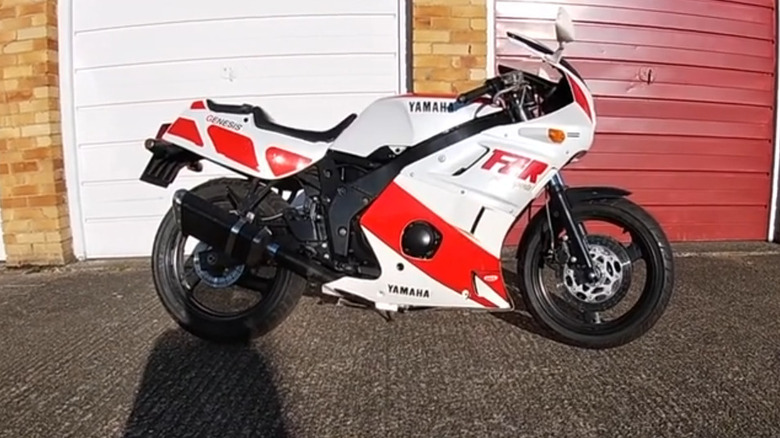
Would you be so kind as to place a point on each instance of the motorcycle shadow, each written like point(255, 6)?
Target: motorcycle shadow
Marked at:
point(194, 388)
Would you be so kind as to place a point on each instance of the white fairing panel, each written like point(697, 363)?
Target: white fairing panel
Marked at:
point(403, 121)
point(234, 141)
point(520, 160)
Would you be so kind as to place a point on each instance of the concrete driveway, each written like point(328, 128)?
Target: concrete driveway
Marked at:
point(87, 351)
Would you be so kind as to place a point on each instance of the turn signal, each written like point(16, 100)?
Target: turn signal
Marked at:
point(556, 135)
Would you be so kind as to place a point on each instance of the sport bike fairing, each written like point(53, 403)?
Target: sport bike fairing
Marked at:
point(471, 191)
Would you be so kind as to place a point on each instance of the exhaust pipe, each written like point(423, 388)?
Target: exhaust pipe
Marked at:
point(238, 238)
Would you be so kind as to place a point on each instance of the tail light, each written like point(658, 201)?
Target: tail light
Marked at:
point(283, 162)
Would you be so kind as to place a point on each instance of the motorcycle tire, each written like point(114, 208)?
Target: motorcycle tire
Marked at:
point(657, 291)
point(274, 307)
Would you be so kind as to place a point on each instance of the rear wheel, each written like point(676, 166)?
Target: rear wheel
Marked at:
point(625, 243)
point(216, 299)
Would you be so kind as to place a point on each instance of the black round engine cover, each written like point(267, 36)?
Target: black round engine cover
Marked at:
point(420, 240)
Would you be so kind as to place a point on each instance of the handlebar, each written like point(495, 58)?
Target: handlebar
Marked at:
point(490, 86)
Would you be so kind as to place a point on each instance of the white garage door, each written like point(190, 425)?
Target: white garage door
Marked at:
point(127, 66)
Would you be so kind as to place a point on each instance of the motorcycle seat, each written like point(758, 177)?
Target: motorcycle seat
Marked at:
point(263, 121)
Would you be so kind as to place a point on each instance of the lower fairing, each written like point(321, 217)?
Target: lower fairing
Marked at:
point(465, 271)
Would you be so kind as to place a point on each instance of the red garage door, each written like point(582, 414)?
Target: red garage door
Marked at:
point(685, 93)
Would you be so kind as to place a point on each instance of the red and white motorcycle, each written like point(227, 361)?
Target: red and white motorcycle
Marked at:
point(406, 206)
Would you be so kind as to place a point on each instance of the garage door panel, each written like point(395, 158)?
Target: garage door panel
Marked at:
point(257, 76)
point(624, 125)
point(631, 35)
point(647, 54)
point(123, 163)
point(661, 74)
point(140, 245)
point(668, 180)
point(101, 14)
point(727, 25)
point(669, 146)
point(643, 90)
point(111, 124)
point(237, 38)
point(756, 116)
point(679, 193)
point(114, 163)
point(131, 200)
point(677, 162)
point(693, 223)
point(708, 214)
point(700, 8)
point(709, 225)
point(683, 197)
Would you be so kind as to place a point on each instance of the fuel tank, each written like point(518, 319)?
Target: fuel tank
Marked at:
point(402, 121)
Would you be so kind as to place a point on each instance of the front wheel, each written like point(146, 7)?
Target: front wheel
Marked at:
point(628, 242)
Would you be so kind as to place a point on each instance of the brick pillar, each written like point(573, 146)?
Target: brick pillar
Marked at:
point(32, 182)
point(449, 45)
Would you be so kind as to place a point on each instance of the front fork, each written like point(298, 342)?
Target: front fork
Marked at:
point(560, 214)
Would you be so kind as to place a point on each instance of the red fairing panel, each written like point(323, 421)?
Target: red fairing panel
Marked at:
point(237, 147)
point(579, 96)
point(186, 129)
point(457, 260)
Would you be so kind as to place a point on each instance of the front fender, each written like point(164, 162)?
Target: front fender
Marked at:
point(585, 194)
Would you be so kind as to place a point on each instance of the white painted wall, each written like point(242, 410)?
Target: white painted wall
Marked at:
point(128, 66)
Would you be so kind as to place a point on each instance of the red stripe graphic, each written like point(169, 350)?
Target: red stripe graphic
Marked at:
point(186, 129)
point(198, 105)
point(458, 258)
point(235, 146)
point(579, 96)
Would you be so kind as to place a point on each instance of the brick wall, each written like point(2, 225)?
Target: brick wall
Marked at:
point(449, 45)
point(32, 183)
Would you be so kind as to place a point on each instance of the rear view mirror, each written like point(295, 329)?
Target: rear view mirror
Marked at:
point(564, 27)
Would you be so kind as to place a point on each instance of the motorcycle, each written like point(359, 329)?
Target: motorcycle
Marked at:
point(404, 207)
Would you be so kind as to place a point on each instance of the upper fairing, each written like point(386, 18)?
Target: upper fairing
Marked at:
point(403, 121)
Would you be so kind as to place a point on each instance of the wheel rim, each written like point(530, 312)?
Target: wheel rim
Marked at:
point(643, 248)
